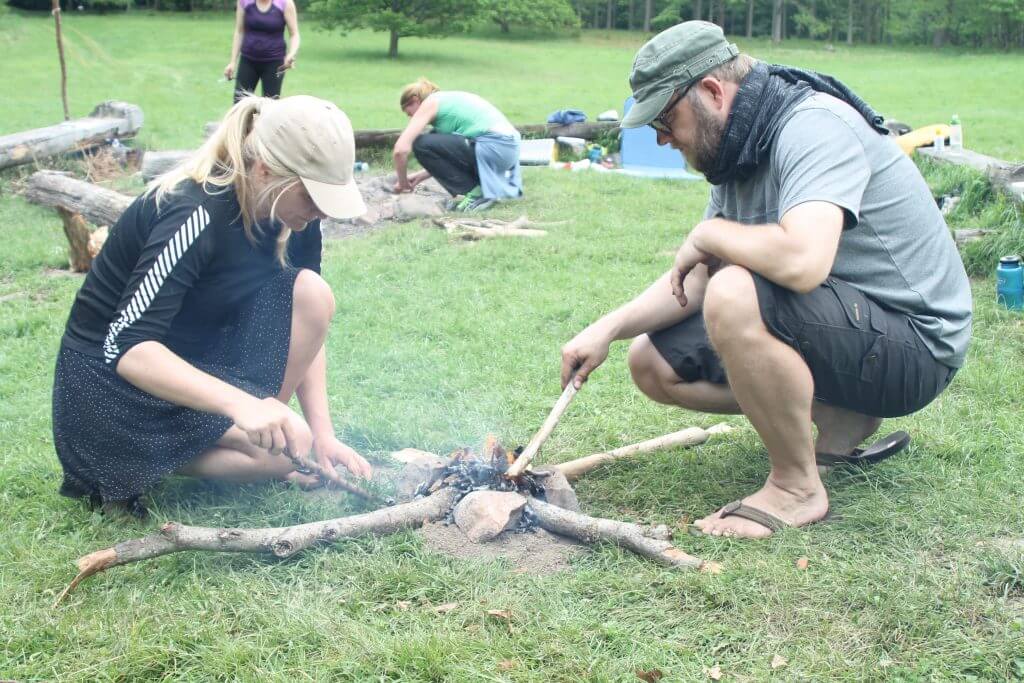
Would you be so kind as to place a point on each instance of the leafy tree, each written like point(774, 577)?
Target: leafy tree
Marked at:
point(399, 18)
point(536, 13)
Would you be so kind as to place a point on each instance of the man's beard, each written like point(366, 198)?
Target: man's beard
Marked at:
point(709, 138)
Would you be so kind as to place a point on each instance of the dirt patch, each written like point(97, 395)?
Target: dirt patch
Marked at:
point(536, 551)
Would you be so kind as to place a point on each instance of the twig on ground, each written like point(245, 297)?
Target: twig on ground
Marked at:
point(281, 542)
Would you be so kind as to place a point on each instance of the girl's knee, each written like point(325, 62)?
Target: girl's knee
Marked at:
point(313, 298)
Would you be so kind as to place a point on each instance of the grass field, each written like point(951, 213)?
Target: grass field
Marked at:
point(919, 578)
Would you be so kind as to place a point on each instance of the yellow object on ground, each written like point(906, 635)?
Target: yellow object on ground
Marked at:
point(920, 137)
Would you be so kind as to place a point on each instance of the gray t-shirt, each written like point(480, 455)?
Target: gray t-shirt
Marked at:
point(896, 247)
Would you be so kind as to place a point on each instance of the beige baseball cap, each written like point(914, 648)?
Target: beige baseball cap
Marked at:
point(313, 139)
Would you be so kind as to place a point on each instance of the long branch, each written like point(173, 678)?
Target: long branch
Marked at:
point(277, 541)
point(625, 534)
point(693, 436)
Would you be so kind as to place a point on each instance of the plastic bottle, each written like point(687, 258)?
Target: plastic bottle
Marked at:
point(939, 142)
point(361, 167)
point(956, 134)
point(1010, 283)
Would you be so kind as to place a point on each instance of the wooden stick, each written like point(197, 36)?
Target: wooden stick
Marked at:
point(523, 461)
point(60, 54)
point(77, 233)
point(330, 475)
point(693, 436)
point(278, 541)
point(625, 534)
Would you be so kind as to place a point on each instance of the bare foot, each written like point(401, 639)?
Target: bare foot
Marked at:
point(794, 507)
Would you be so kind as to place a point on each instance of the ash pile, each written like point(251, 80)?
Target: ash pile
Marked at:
point(384, 207)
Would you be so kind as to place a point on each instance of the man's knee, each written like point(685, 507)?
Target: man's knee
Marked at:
point(730, 303)
point(648, 368)
point(313, 298)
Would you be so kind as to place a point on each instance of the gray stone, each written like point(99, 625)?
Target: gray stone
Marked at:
point(482, 515)
point(417, 467)
point(558, 491)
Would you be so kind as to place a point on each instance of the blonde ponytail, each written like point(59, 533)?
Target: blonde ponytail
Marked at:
point(225, 161)
point(421, 89)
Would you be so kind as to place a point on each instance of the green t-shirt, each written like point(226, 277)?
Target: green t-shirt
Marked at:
point(464, 113)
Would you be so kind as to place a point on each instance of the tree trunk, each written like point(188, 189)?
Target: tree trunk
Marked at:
point(118, 119)
point(785, 22)
point(647, 15)
point(610, 15)
point(629, 19)
point(503, 23)
point(698, 9)
point(720, 14)
point(750, 18)
point(96, 204)
point(77, 233)
point(393, 45)
point(849, 23)
point(777, 21)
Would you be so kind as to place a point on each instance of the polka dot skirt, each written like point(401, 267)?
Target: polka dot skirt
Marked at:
point(114, 440)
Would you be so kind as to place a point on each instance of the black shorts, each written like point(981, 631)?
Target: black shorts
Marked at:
point(863, 357)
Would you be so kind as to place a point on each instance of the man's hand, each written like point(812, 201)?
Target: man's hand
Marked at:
point(687, 258)
point(399, 188)
point(330, 452)
point(583, 354)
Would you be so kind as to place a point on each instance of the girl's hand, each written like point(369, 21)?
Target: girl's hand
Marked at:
point(330, 452)
point(273, 426)
point(229, 71)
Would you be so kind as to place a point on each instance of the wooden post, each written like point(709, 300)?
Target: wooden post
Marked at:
point(77, 233)
point(63, 65)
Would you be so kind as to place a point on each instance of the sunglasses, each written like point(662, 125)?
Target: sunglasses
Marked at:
point(662, 123)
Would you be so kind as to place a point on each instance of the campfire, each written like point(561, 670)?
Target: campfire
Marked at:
point(471, 491)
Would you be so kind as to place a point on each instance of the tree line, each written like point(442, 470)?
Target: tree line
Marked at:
point(965, 23)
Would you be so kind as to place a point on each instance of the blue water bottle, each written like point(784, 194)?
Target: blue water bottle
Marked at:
point(1010, 283)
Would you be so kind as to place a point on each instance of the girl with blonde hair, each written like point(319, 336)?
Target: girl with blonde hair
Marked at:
point(205, 313)
point(473, 150)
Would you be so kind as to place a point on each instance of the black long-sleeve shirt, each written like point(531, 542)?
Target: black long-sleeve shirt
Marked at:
point(176, 273)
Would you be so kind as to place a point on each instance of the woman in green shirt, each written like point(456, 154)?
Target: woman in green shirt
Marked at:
point(473, 150)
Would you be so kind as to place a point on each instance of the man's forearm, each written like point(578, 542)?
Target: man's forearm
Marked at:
point(798, 257)
point(655, 308)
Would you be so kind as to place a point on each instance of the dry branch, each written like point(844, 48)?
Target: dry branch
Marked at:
point(469, 229)
point(330, 476)
point(532, 448)
point(278, 541)
point(625, 534)
point(693, 436)
point(96, 204)
point(109, 119)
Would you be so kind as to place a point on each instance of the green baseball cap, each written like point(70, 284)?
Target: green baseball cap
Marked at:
point(672, 60)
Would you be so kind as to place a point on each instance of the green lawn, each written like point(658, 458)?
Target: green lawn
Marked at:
point(920, 577)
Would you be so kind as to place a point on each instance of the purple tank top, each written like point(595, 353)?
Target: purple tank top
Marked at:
point(263, 40)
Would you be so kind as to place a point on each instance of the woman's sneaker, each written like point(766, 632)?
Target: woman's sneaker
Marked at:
point(475, 205)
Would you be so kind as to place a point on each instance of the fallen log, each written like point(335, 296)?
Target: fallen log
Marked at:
point(96, 204)
point(693, 436)
point(467, 229)
point(967, 235)
point(158, 163)
point(1005, 176)
point(386, 137)
point(110, 119)
point(280, 542)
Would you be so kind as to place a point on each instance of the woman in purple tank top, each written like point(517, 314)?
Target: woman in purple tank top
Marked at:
point(259, 48)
